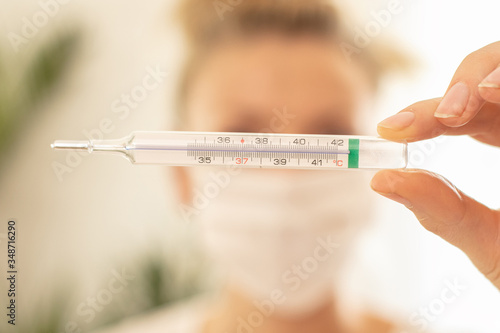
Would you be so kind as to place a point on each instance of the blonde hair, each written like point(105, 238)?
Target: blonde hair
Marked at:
point(205, 25)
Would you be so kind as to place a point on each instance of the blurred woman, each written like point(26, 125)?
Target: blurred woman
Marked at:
point(280, 237)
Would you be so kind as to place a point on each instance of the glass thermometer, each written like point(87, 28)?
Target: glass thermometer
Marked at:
point(254, 150)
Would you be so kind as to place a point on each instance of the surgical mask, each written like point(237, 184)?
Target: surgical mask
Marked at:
point(282, 233)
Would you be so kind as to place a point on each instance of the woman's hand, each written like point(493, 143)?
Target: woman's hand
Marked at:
point(470, 106)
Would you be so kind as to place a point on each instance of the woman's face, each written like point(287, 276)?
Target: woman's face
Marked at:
point(276, 84)
point(273, 84)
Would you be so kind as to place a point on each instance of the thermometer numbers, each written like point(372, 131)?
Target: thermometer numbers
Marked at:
point(267, 151)
point(241, 160)
point(279, 161)
point(206, 160)
point(339, 142)
point(223, 139)
point(300, 142)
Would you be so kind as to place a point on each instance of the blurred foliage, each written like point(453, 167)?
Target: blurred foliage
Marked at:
point(49, 318)
point(159, 280)
point(24, 83)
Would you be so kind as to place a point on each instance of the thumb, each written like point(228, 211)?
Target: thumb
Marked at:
point(446, 211)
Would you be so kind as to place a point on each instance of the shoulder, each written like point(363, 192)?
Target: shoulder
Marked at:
point(184, 317)
point(376, 324)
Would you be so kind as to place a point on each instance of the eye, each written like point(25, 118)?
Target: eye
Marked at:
point(246, 121)
point(334, 129)
point(242, 126)
point(239, 129)
point(329, 124)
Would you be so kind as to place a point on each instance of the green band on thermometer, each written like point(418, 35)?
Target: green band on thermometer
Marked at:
point(353, 154)
point(252, 150)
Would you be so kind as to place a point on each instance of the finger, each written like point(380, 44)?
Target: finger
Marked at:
point(489, 89)
point(447, 212)
point(463, 100)
point(417, 122)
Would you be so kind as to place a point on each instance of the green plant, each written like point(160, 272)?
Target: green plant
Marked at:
point(24, 83)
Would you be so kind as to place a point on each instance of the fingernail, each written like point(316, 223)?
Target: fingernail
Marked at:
point(454, 102)
point(399, 121)
point(397, 198)
point(492, 80)
point(384, 186)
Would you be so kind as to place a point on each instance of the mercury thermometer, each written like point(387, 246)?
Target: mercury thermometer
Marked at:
point(253, 150)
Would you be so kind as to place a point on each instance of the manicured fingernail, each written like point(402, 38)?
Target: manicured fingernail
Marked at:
point(492, 80)
point(454, 102)
point(385, 186)
point(398, 199)
point(399, 121)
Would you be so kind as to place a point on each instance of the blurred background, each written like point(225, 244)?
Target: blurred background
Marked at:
point(84, 219)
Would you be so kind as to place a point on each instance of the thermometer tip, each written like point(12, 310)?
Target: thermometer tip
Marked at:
point(70, 145)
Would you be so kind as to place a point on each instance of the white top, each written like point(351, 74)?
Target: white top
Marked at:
point(185, 317)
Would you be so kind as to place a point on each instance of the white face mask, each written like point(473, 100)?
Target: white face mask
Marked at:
point(284, 231)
